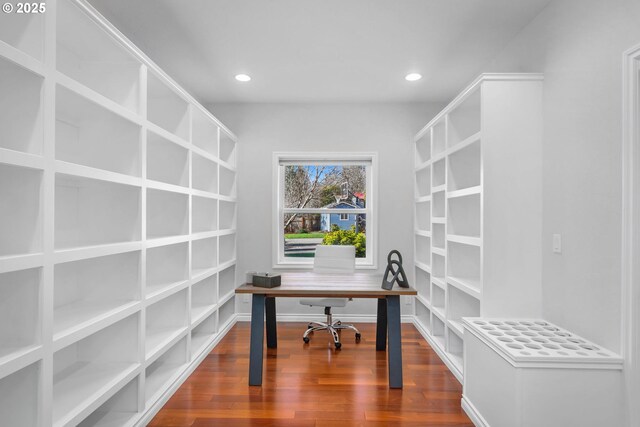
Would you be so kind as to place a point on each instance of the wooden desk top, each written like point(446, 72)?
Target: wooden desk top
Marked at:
point(308, 284)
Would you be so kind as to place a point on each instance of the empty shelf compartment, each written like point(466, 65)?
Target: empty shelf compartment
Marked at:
point(91, 212)
point(20, 104)
point(204, 255)
point(88, 134)
point(227, 182)
point(227, 149)
point(464, 216)
point(167, 162)
point(166, 108)
point(20, 315)
point(226, 312)
point(20, 393)
point(87, 54)
point(227, 215)
point(24, 31)
point(202, 334)
point(423, 284)
point(119, 410)
point(423, 216)
point(167, 214)
point(463, 264)
point(439, 138)
point(204, 132)
point(204, 212)
point(89, 368)
point(165, 370)
point(166, 319)
point(423, 249)
point(465, 168)
point(204, 296)
point(464, 120)
point(423, 148)
point(204, 174)
point(227, 281)
point(439, 173)
point(92, 289)
point(167, 266)
point(227, 248)
point(423, 182)
point(424, 315)
point(20, 210)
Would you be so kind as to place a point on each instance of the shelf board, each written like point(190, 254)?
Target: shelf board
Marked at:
point(226, 298)
point(206, 194)
point(202, 153)
point(456, 327)
point(439, 251)
point(422, 266)
point(204, 235)
point(423, 233)
point(438, 220)
point(227, 166)
point(168, 135)
point(82, 383)
point(18, 357)
point(422, 199)
point(438, 340)
point(86, 252)
point(88, 172)
point(158, 381)
point(423, 301)
point(468, 286)
point(465, 240)
point(226, 231)
point(115, 419)
point(198, 274)
point(19, 158)
point(465, 143)
point(200, 312)
point(438, 188)
point(20, 262)
point(438, 282)
point(439, 156)
point(97, 98)
point(469, 191)
point(159, 185)
point(160, 291)
point(166, 241)
point(200, 341)
point(158, 341)
point(73, 322)
point(423, 165)
point(24, 60)
point(439, 312)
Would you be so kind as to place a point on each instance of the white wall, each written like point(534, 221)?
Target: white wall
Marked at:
point(387, 129)
point(578, 44)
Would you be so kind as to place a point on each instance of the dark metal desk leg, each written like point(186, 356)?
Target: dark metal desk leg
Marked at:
point(272, 332)
point(381, 326)
point(395, 342)
point(257, 339)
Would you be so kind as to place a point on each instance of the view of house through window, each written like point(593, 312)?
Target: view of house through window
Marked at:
point(323, 203)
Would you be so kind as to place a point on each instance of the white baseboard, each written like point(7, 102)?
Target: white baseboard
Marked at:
point(151, 412)
point(473, 413)
point(357, 318)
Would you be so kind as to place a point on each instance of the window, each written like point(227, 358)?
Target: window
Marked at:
point(323, 199)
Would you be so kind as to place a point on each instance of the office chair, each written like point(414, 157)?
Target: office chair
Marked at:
point(331, 259)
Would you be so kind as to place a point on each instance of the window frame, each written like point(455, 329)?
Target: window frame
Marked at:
point(369, 159)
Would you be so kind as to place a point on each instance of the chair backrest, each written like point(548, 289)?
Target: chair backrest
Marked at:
point(334, 259)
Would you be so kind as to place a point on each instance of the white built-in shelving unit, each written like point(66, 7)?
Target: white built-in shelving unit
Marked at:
point(117, 224)
point(477, 210)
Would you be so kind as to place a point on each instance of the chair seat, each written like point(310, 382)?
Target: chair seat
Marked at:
point(324, 302)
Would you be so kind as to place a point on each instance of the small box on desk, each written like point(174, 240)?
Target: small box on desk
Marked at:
point(266, 281)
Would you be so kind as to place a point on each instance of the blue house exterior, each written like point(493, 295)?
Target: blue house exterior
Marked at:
point(343, 221)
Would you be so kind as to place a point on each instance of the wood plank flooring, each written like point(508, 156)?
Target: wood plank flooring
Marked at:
point(314, 385)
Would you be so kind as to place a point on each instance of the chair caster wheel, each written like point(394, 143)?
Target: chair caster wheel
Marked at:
point(309, 326)
point(306, 340)
point(358, 336)
point(338, 323)
point(338, 345)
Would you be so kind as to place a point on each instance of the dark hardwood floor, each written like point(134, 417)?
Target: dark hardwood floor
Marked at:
point(314, 385)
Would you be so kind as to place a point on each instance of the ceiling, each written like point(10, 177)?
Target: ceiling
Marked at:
point(321, 50)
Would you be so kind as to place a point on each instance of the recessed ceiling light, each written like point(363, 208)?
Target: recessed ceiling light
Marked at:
point(243, 78)
point(412, 77)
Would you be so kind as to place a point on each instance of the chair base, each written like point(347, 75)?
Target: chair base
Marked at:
point(331, 327)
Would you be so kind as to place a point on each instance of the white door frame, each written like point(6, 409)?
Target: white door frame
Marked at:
point(631, 231)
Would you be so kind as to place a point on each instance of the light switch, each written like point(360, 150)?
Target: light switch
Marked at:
point(557, 244)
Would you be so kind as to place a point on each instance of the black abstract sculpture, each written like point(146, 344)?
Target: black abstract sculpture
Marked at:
point(394, 268)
